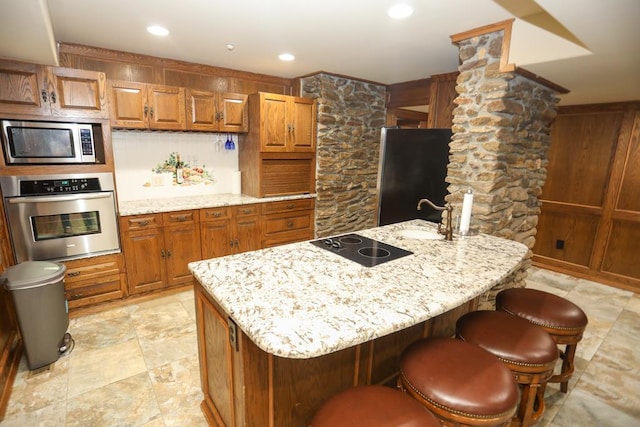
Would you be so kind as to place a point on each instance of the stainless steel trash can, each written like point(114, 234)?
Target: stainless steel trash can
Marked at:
point(37, 290)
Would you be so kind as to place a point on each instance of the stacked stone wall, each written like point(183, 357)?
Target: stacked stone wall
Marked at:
point(350, 118)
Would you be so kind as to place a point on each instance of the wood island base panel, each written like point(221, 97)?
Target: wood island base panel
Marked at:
point(280, 330)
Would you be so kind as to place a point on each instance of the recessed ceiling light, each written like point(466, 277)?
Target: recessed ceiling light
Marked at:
point(286, 57)
point(400, 11)
point(157, 30)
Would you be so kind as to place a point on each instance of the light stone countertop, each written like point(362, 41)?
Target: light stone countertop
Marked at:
point(147, 206)
point(301, 301)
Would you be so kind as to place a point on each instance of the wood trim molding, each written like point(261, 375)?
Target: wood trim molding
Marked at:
point(341, 76)
point(505, 66)
point(504, 26)
point(541, 80)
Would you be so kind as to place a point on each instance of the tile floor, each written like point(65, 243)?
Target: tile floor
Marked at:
point(137, 365)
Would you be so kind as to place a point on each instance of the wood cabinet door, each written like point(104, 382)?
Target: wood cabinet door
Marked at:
point(77, 93)
point(201, 110)
point(273, 122)
point(216, 238)
point(146, 268)
point(302, 130)
point(128, 104)
point(20, 89)
point(233, 112)
point(247, 234)
point(183, 246)
point(166, 107)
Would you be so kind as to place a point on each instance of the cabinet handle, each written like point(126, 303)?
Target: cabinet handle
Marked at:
point(73, 273)
point(143, 223)
point(237, 243)
point(162, 254)
point(168, 253)
point(181, 218)
point(293, 128)
point(146, 110)
point(45, 97)
point(290, 224)
point(231, 242)
point(53, 97)
point(247, 211)
point(291, 206)
point(216, 214)
point(151, 112)
point(76, 296)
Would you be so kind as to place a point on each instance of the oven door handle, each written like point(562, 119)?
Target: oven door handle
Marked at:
point(61, 198)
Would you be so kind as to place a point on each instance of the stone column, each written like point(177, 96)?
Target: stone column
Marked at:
point(501, 135)
point(351, 114)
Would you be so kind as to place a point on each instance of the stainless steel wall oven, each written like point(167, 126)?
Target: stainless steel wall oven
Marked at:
point(60, 217)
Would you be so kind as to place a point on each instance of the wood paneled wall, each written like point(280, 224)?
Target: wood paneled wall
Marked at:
point(590, 220)
point(148, 69)
point(436, 92)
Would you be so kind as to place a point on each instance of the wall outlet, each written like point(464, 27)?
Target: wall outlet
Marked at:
point(559, 244)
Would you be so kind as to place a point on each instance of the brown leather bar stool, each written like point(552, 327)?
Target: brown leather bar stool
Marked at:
point(462, 384)
point(526, 349)
point(373, 406)
point(561, 318)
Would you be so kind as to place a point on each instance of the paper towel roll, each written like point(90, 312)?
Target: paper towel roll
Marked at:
point(236, 182)
point(465, 217)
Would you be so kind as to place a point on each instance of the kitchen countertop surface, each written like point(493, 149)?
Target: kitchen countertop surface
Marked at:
point(147, 206)
point(301, 301)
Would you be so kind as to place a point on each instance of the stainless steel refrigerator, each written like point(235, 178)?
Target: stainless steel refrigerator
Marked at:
point(413, 166)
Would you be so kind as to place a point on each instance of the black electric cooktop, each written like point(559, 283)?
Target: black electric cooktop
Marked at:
point(363, 250)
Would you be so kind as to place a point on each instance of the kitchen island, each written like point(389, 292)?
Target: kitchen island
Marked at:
point(282, 329)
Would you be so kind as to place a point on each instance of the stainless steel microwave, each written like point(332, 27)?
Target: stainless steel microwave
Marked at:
point(39, 142)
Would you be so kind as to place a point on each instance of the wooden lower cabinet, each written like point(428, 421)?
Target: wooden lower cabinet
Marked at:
point(288, 222)
point(158, 248)
point(94, 280)
point(229, 230)
point(245, 386)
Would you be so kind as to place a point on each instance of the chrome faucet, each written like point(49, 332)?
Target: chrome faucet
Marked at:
point(448, 232)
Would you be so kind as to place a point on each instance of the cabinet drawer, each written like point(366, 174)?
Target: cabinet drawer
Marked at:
point(245, 210)
point(209, 214)
point(140, 222)
point(286, 222)
point(179, 217)
point(86, 292)
point(289, 206)
point(92, 268)
point(287, 237)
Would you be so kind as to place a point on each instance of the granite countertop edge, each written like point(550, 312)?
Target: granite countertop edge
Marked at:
point(170, 204)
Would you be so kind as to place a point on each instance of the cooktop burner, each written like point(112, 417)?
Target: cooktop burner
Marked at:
point(363, 250)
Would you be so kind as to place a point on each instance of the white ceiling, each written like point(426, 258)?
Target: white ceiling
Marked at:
point(348, 37)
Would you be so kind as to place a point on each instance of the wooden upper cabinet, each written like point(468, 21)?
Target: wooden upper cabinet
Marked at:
point(217, 111)
point(52, 91)
point(302, 135)
point(286, 123)
point(145, 106)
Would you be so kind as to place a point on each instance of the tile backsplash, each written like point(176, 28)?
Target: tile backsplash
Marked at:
point(137, 153)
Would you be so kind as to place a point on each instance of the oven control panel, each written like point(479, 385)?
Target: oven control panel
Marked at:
point(59, 186)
